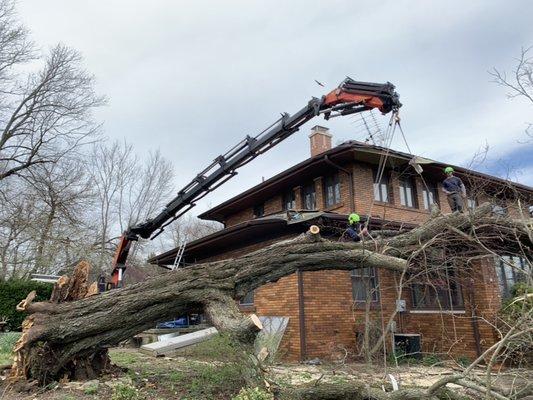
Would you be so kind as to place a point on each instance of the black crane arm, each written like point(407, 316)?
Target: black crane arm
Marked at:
point(348, 98)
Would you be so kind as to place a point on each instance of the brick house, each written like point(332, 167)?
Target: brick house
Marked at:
point(326, 309)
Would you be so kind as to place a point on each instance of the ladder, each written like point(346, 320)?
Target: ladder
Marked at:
point(179, 254)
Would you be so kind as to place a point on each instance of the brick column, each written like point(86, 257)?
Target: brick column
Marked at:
point(443, 200)
point(420, 193)
point(394, 187)
point(298, 200)
point(273, 205)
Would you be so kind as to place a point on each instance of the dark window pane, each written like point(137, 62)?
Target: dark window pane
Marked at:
point(498, 209)
point(437, 292)
point(248, 299)
point(511, 270)
point(364, 284)
point(309, 197)
point(259, 210)
point(289, 200)
point(332, 190)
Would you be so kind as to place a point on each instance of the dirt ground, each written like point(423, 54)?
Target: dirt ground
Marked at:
point(144, 377)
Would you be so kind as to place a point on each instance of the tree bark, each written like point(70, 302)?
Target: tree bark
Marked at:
point(55, 335)
point(360, 391)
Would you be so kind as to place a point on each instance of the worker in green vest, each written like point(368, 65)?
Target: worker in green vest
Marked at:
point(355, 230)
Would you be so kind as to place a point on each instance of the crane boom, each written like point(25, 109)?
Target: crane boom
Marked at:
point(349, 97)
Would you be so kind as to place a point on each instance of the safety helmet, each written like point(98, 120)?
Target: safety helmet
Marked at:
point(354, 218)
point(448, 170)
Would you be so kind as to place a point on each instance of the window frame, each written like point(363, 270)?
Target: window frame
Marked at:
point(452, 291)
point(499, 210)
point(369, 277)
point(334, 182)
point(309, 190)
point(260, 207)
point(503, 267)
point(471, 203)
point(405, 183)
point(379, 187)
point(243, 299)
point(289, 197)
point(430, 189)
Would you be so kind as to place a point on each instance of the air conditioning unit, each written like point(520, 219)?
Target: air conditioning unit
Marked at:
point(407, 345)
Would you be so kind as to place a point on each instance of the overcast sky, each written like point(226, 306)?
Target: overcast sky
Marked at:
point(193, 78)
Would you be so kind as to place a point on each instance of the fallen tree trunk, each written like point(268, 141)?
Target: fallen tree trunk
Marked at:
point(58, 335)
point(360, 391)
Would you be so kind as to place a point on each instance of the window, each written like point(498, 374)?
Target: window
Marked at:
point(332, 190)
point(364, 284)
point(407, 193)
point(259, 210)
point(309, 197)
point(498, 209)
point(511, 269)
point(289, 200)
point(430, 195)
point(248, 299)
point(437, 292)
point(381, 188)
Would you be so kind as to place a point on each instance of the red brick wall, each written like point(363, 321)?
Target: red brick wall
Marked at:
point(271, 206)
point(332, 320)
point(280, 299)
point(365, 204)
point(240, 216)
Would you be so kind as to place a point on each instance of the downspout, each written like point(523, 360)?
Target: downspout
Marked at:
point(350, 180)
point(301, 312)
point(475, 323)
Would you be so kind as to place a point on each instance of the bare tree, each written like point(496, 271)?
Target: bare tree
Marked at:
point(520, 81)
point(16, 222)
point(43, 217)
point(64, 194)
point(43, 114)
point(127, 190)
point(189, 228)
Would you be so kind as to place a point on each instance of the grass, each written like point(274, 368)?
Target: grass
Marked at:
point(126, 359)
point(204, 376)
point(124, 392)
point(92, 389)
point(208, 381)
point(218, 348)
point(7, 341)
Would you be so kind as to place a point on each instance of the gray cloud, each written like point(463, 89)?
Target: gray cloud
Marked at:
point(192, 78)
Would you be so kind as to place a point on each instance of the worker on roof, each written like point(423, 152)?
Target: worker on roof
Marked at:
point(355, 231)
point(455, 190)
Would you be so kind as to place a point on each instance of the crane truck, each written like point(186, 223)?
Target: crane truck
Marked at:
point(350, 97)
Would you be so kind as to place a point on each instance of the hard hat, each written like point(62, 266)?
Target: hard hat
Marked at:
point(353, 218)
point(448, 170)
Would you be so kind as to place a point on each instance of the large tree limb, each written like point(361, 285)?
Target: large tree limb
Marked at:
point(57, 334)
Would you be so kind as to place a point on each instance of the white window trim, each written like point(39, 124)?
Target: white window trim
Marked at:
point(437, 311)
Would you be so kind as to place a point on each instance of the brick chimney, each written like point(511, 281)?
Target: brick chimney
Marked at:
point(320, 140)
